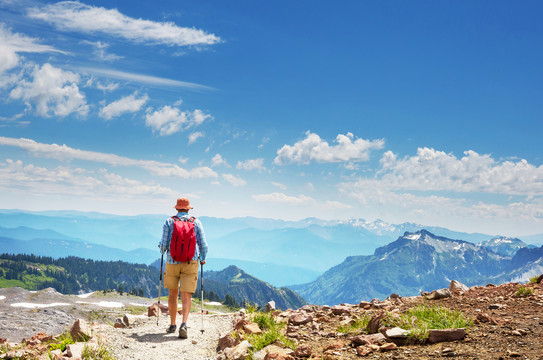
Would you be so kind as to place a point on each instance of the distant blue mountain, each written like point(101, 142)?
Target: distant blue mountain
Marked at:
point(58, 248)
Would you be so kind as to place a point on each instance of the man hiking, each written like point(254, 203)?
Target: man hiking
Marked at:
point(179, 234)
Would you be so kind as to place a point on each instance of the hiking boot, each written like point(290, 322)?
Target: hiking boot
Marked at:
point(183, 331)
point(171, 329)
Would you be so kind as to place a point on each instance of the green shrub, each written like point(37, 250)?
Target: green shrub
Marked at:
point(524, 291)
point(421, 318)
point(533, 280)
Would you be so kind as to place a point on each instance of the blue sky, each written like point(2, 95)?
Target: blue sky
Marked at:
point(422, 111)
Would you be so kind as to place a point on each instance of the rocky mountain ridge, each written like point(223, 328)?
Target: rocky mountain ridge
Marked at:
point(413, 263)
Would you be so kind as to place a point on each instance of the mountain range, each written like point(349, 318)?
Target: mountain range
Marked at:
point(417, 262)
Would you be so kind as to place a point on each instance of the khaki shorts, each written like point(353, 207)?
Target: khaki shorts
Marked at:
point(187, 273)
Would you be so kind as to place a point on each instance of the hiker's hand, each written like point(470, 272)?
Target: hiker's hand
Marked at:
point(203, 262)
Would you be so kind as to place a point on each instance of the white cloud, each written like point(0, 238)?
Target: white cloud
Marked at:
point(234, 180)
point(313, 148)
point(126, 104)
point(284, 199)
point(251, 164)
point(52, 91)
point(65, 153)
point(13, 43)
point(432, 170)
point(146, 79)
point(100, 51)
point(75, 16)
point(62, 180)
point(279, 185)
point(218, 160)
point(170, 120)
point(195, 136)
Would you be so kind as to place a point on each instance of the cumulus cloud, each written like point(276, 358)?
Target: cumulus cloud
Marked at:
point(52, 91)
point(313, 148)
point(433, 170)
point(195, 136)
point(63, 180)
point(66, 153)
point(234, 180)
point(416, 186)
point(218, 160)
point(169, 120)
point(75, 16)
point(251, 164)
point(127, 104)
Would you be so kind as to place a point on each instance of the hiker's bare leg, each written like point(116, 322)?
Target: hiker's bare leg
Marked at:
point(172, 304)
point(186, 298)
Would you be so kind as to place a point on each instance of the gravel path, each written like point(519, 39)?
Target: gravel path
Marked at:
point(146, 340)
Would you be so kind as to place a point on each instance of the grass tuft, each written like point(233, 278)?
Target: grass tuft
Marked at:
point(271, 331)
point(419, 319)
point(61, 341)
point(96, 353)
point(524, 291)
point(533, 280)
point(360, 324)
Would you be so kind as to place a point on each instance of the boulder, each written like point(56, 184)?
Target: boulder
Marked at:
point(442, 335)
point(303, 351)
point(270, 306)
point(439, 294)
point(119, 324)
point(153, 309)
point(227, 341)
point(274, 352)
point(376, 338)
point(75, 350)
point(456, 287)
point(238, 352)
point(300, 319)
point(388, 346)
point(81, 330)
point(375, 322)
point(396, 333)
point(341, 309)
point(252, 328)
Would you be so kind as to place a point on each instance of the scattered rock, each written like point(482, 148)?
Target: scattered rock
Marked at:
point(442, 335)
point(303, 351)
point(396, 333)
point(375, 322)
point(456, 287)
point(80, 330)
point(238, 352)
point(376, 338)
point(439, 294)
point(227, 341)
point(252, 328)
point(274, 352)
point(300, 319)
point(340, 310)
point(270, 306)
point(388, 346)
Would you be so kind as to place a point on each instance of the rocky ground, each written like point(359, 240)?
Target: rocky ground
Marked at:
point(505, 326)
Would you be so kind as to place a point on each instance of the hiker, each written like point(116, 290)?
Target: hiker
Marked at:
point(182, 275)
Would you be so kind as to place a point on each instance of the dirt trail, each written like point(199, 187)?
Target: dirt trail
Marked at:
point(146, 340)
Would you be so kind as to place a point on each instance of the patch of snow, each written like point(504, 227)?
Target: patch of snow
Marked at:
point(108, 304)
point(84, 296)
point(413, 236)
point(34, 306)
point(213, 303)
point(2, 297)
point(136, 304)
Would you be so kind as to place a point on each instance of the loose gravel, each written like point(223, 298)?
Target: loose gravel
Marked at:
point(146, 340)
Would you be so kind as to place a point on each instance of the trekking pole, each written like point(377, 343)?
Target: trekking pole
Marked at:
point(202, 288)
point(160, 288)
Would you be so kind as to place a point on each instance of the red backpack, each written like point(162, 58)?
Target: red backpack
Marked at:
point(183, 242)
